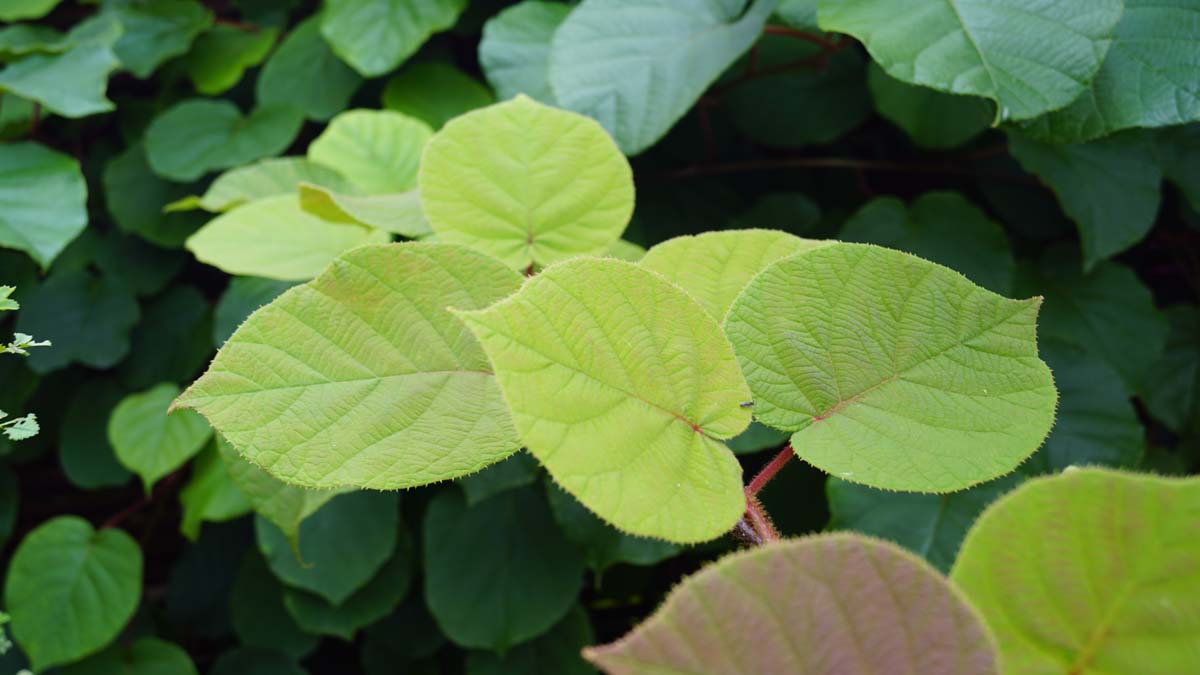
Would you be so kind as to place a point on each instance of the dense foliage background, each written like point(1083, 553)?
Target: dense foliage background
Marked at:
point(1079, 187)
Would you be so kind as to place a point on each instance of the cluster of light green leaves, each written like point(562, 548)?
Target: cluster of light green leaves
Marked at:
point(244, 135)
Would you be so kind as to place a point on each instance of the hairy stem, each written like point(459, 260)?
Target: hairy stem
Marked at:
point(768, 472)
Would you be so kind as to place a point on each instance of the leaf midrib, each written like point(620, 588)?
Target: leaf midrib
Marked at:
point(854, 398)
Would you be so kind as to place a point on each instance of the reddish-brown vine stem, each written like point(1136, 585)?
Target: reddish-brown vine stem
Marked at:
point(770, 470)
point(755, 527)
point(819, 40)
point(157, 490)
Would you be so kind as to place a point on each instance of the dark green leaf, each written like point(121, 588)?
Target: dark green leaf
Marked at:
point(260, 618)
point(515, 49)
point(223, 53)
point(147, 656)
point(369, 604)
point(602, 544)
point(88, 319)
point(197, 136)
point(815, 102)
point(342, 546)
point(1096, 422)
point(932, 526)
point(500, 572)
point(558, 652)
point(255, 661)
point(943, 227)
point(304, 56)
point(520, 469)
point(135, 197)
point(86, 456)
point(1172, 389)
point(932, 119)
point(156, 30)
point(375, 36)
point(434, 93)
point(42, 200)
point(70, 589)
point(240, 299)
point(1110, 188)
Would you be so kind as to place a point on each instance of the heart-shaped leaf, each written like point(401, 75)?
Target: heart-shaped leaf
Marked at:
point(362, 377)
point(836, 603)
point(893, 371)
point(624, 388)
point(526, 183)
point(1090, 571)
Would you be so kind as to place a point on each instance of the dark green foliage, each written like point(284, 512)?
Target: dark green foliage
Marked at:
point(113, 113)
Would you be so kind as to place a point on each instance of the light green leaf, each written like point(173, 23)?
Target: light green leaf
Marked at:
point(434, 92)
point(1110, 188)
point(378, 151)
point(497, 573)
point(262, 179)
point(43, 200)
point(714, 267)
point(342, 546)
point(307, 410)
point(136, 196)
point(932, 526)
point(637, 67)
point(931, 118)
point(1172, 389)
point(286, 506)
point(626, 250)
point(149, 440)
point(88, 319)
point(797, 107)
point(892, 371)
point(222, 54)
point(275, 238)
point(14, 10)
point(210, 495)
point(369, 604)
point(603, 545)
point(398, 213)
point(1028, 56)
point(515, 50)
point(375, 36)
point(942, 227)
point(70, 590)
point(258, 614)
point(1108, 312)
point(147, 656)
point(1097, 423)
point(71, 83)
point(304, 56)
point(818, 604)
point(197, 136)
point(1089, 572)
point(557, 651)
point(526, 183)
point(1149, 77)
point(7, 304)
point(596, 352)
point(156, 30)
point(242, 296)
